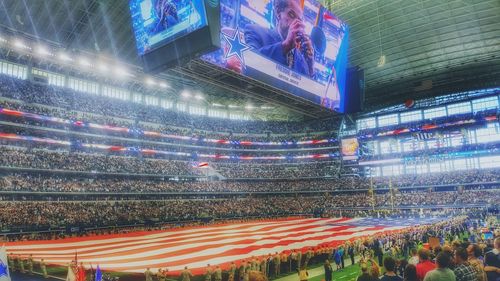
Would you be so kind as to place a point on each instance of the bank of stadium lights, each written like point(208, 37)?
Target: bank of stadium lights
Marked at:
point(233, 106)
point(249, 107)
point(102, 67)
point(150, 81)
point(163, 85)
point(64, 57)
point(217, 105)
point(121, 72)
point(199, 96)
point(19, 44)
point(83, 61)
point(42, 51)
point(186, 94)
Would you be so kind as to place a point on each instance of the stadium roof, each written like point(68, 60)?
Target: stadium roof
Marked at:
point(409, 49)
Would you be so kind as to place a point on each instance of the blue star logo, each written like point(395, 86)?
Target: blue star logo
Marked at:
point(3, 269)
point(236, 46)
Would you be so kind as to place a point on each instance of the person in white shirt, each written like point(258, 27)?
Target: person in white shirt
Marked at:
point(414, 257)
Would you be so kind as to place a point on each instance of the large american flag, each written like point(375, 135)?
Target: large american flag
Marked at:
point(198, 246)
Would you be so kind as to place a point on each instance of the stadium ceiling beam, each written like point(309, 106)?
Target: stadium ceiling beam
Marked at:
point(255, 89)
point(196, 75)
point(86, 15)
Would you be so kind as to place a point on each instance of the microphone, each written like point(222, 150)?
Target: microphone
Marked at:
point(303, 45)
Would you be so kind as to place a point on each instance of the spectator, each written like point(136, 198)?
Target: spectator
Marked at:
point(424, 265)
point(410, 273)
point(365, 275)
point(390, 270)
point(474, 252)
point(463, 270)
point(328, 270)
point(414, 257)
point(492, 262)
point(442, 272)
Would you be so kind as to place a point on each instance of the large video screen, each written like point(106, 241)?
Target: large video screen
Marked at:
point(350, 148)
point(294, 45)
point(158, 22)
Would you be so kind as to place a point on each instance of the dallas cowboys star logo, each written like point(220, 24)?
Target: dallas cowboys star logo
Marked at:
point(236, 46)
point(3, 269)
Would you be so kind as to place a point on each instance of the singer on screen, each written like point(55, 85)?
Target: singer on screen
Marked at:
point(287, 42)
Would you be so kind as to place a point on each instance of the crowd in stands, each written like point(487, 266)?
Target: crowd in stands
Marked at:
point(137, 128)
point(26, 182)
point(75, 101)
point(63, 160)
point(59, 159)
point(104, 212)
point(30, 183)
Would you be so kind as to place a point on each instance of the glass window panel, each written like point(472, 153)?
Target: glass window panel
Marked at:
point(166, 103)
point(406, 117)
point(435, 112)
point(489, 162)
point(459, 108)
point(408, 146)
point(137, 98)
point(366, 123)
point(181, 106)
point(485, 104)
point(460, 164)
point(151, 100)
point(421, 168)
point(196, 110)
point(489, 134)
point(388, 120)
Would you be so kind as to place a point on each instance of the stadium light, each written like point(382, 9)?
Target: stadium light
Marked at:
point(266, 107)
point(186, 94)
point(233, 106)
point(163, 85)
point(42, 51)
point(149, 81)
point(18, 44)
point(102, 67)
point(83, 62)
point(121, 72)
point(217, 105)
point(64, 57)
point(199, 97)
point(249, 107)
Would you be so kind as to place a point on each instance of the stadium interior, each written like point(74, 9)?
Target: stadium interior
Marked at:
point(219, 171)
